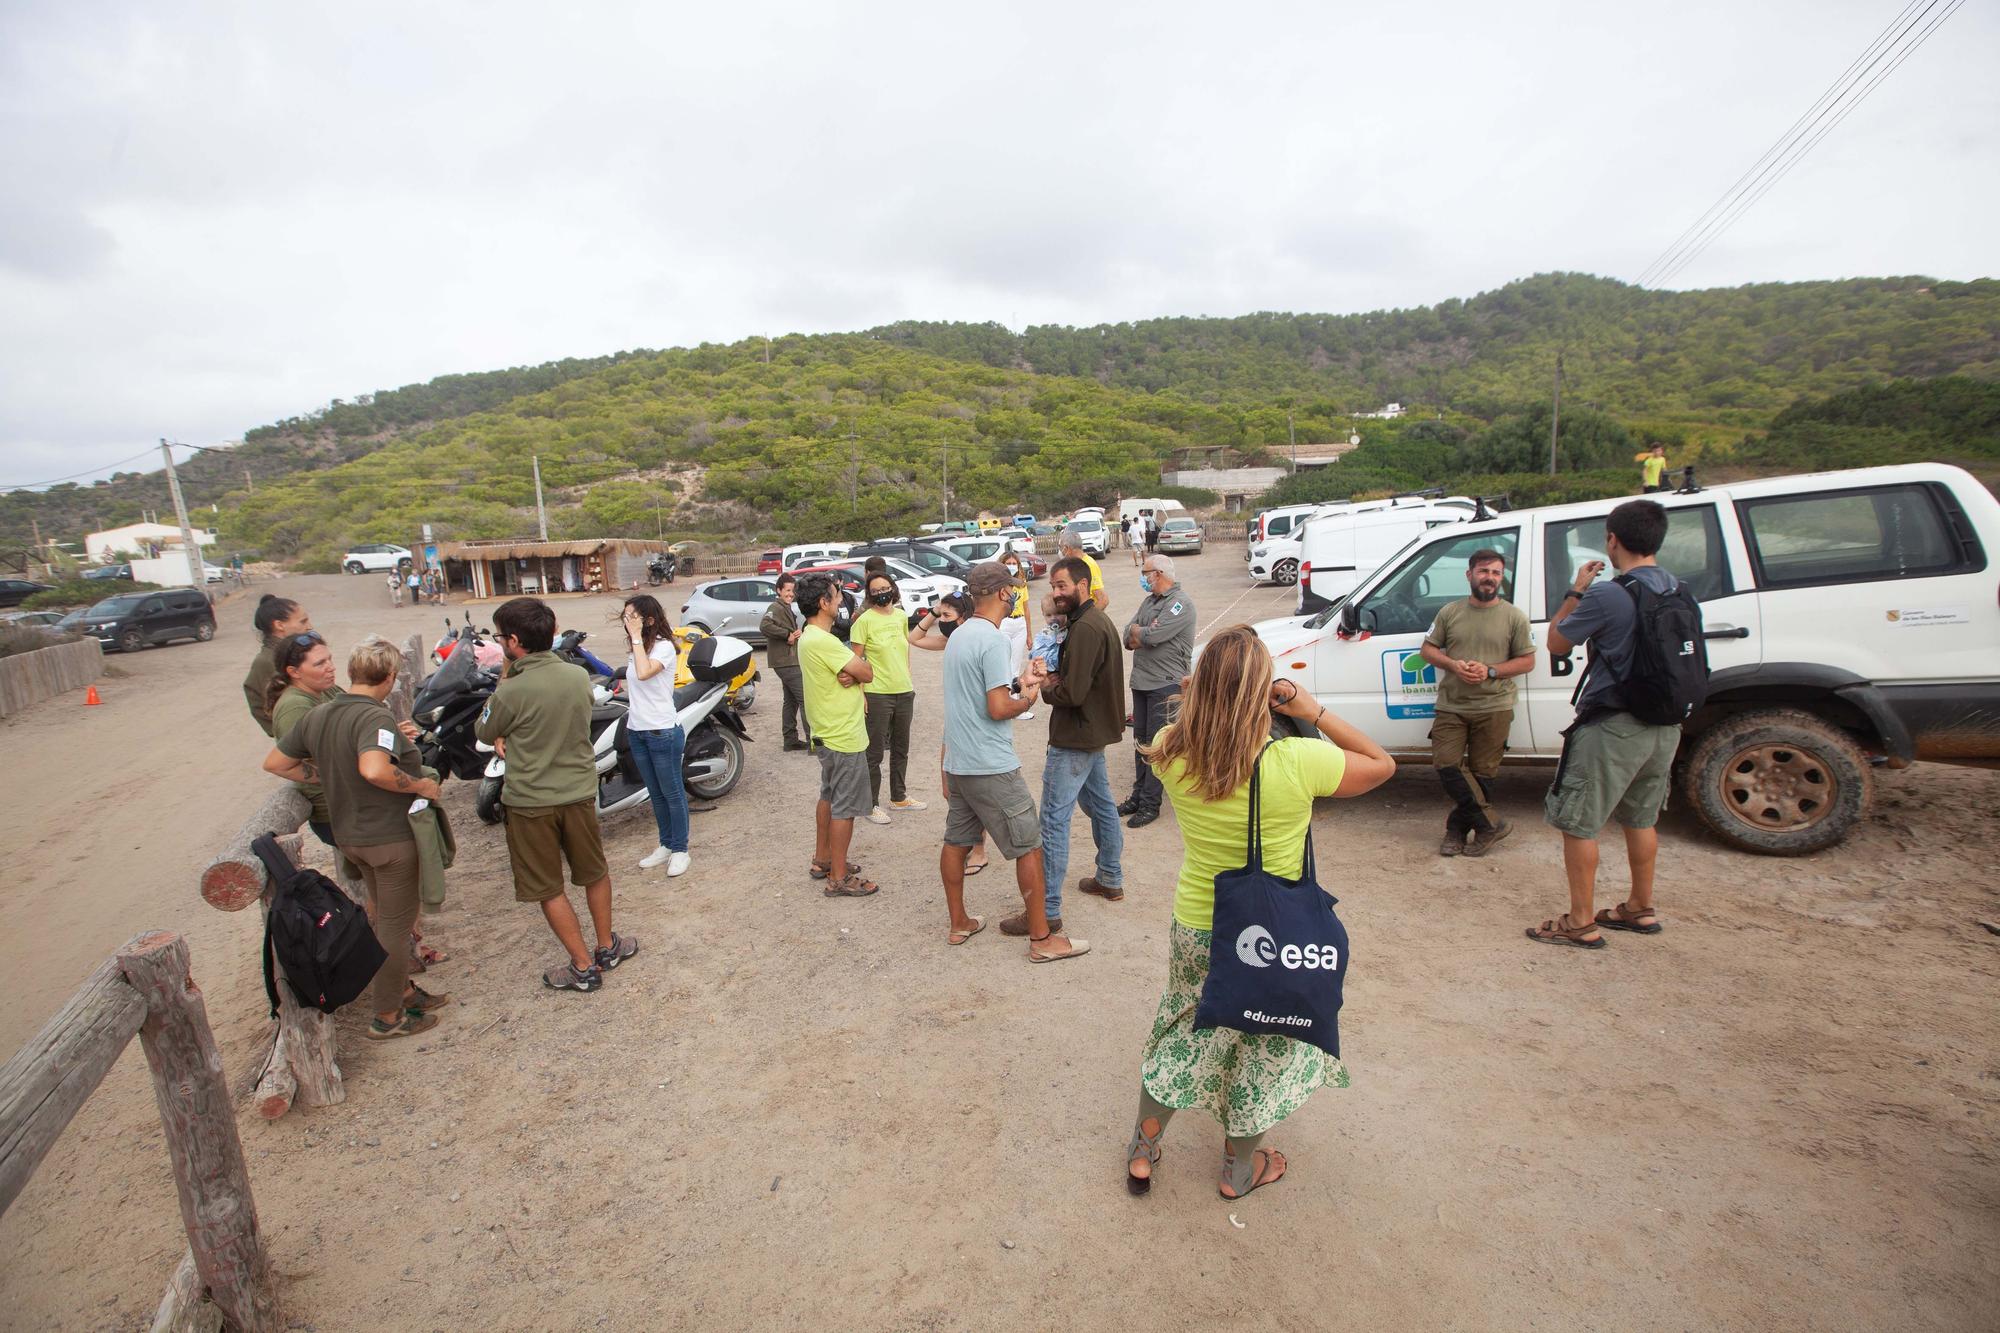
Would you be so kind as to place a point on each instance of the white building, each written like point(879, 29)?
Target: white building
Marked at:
point(139, 538)
point(1389, 412)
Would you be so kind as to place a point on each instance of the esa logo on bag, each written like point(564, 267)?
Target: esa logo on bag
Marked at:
point(1256, 948)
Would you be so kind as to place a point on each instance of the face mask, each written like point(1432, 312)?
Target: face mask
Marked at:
point(882, 598)
point(947, 627)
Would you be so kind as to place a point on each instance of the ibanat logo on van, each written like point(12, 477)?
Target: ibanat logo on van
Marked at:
point(1409, 684)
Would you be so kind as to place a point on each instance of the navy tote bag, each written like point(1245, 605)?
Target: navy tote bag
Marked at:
point(1279, 955)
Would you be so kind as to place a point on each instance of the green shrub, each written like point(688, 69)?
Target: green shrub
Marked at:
point(82, 592)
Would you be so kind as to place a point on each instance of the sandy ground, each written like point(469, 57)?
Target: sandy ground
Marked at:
point(790, 1112)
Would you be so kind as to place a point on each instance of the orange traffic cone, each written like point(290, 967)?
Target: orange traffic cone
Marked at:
point(90, 697)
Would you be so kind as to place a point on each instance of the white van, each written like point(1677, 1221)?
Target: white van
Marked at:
point(1851, 619)
point(812, 552)
point(1338, 549)
point(1160, 510)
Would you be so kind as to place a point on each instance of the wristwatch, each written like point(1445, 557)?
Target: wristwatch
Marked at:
point(1572, 593)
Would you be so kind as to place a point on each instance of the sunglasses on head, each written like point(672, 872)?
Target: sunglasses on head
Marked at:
point(310, 636)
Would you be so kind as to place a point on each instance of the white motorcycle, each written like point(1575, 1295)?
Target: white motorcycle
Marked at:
point(711, 764)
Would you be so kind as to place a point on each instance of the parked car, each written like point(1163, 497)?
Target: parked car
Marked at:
point(1017, 537)
point(771, 562)
point(213, 573)
point(929, 555)
point(731, 606)
point(1849, 617)
point(805, 552)
point(118, 571)
point(135, 620)
point(1090, 533)
point(48, 620)
point(1180, 536)
point(377, 557)
point(920, 590)
point(1338, 549)
point(13, 592)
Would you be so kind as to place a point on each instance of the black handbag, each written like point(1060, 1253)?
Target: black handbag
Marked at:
point(1278, 959)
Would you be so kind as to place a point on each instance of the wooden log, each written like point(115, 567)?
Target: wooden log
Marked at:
point(200, 1123)
point(184, 1309)
point(55, 1072)
point(300, 1066)
point(236, 878)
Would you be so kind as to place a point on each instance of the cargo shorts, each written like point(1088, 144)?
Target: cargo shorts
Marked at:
point(843, 783)
point(997, 805)
point(1616, 767)
point(541, 838)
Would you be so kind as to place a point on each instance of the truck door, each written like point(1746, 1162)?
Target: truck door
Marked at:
point(1375, 678)
point(1704, 549)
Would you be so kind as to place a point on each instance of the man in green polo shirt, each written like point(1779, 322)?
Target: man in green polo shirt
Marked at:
point(540, 718)
point(1478, 646)
point(833, 673)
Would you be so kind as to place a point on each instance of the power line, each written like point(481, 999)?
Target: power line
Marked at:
point(31, 485)
point(1827, 111)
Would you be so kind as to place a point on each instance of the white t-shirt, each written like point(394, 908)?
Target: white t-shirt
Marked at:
point(653, 699)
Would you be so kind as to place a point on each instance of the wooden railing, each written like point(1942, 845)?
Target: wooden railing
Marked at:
point(147, 990)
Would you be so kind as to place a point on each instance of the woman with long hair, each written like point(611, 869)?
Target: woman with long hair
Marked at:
point(659, 744)
point(1205, 760)
point(1018, 625)
point(881, 633)
point(303, 680)
point(274, 618)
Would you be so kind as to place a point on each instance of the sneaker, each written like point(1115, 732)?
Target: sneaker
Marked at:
point(1018, 925)
point(568, 976)
point(908, 803)
point(409, 1024)
point(1028, 716)
point(1141, 818)
point(421, 1001)
point(1129, 806)
point(658, 856)
point(793, 743)
point(677, 865)
point(609, 957)
point(878, 816)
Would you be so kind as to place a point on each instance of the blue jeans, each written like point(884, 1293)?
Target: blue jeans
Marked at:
point(1070, 777)
point(658, 754)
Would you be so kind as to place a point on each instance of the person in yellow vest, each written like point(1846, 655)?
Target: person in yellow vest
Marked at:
point(1653, 468)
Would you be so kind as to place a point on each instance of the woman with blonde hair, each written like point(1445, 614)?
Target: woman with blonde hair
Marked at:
point(351, 746)
point(1206, 759)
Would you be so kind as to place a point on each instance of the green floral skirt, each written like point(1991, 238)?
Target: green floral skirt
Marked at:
point(1248, 1083)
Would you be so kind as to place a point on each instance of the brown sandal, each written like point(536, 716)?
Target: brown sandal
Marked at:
point(1561, 931)
point(1618, 918)
point(852, 887)
point(822, 869)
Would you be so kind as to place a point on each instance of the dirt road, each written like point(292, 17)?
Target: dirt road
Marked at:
point(795, 1112)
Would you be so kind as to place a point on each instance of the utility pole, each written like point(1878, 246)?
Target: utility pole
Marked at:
point(195, 578)
point(1555, 414)
point(541, 514)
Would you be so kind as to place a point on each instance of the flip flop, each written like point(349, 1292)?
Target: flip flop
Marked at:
point(1077, 949)
point(958, 936)
point(970, 871)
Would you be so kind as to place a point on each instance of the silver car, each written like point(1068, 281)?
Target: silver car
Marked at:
point(731, 606)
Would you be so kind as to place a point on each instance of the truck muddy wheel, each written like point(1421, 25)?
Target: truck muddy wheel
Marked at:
point(1779, 782)
point(1286, 573)
point(487, 803)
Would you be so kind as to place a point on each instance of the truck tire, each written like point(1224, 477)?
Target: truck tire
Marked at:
point(1286, 573)
point(1778, 781)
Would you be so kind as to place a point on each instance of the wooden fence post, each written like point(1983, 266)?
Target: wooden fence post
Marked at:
point(200, 1124)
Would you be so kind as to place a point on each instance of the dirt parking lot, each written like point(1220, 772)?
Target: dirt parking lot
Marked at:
point(794, 1112)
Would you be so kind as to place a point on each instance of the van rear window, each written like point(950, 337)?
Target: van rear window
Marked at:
point(1858, 536)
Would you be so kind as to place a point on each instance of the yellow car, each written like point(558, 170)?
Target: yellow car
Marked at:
point(742, 690)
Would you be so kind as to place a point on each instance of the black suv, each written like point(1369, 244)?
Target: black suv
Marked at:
point(131, 621)
point(931, 559)
point(13, 592)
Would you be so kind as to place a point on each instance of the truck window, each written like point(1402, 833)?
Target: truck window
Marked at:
point(1410, 599)
point(1692, 553)
point(1859, 536)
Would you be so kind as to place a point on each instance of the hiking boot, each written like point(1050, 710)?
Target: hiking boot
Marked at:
point(1111, 893)
point(411, 1023)
point(1488, 838)
point(1453, 844)
point(1018, 925)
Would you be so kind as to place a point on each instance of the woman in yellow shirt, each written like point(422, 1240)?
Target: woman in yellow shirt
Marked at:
point(1205, 761)
point(884, 630)
point(1018, 624)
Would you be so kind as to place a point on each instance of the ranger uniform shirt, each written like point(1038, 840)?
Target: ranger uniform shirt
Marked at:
point(542, 710)
point(1492, 632)
point(334, 735)
point(1166, 639)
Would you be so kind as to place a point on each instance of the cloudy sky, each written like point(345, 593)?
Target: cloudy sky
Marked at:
point(218, 215)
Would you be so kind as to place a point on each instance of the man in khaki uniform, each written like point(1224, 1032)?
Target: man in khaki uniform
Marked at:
point(1478, 646)
point(540, 718)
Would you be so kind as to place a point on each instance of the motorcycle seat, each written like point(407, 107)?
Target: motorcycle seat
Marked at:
point(605, 713)
point(686, 696)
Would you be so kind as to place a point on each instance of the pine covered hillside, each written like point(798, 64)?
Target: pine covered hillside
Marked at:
point(1042, 418)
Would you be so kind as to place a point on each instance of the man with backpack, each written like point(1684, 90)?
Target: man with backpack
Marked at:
point(1648, 672)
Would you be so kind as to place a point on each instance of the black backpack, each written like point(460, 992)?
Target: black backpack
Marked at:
point(320, 935)
point(1668, 678)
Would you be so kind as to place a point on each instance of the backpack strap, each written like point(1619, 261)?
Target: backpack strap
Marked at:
point(277, 864)
point(270, 972)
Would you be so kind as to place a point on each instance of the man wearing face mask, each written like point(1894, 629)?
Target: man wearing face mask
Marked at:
point(1478, 646)
point(1161, 637)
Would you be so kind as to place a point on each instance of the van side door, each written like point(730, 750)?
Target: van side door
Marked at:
point(1704, 549)
point(153, 619)
point(1377, 679)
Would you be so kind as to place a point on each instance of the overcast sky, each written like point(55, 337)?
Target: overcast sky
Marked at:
point(214, 216)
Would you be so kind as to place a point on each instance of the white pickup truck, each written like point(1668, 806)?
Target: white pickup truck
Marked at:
point(1853, 620)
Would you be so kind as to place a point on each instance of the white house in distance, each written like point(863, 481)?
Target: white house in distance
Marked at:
point(1389, 412)
point(139, 538)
